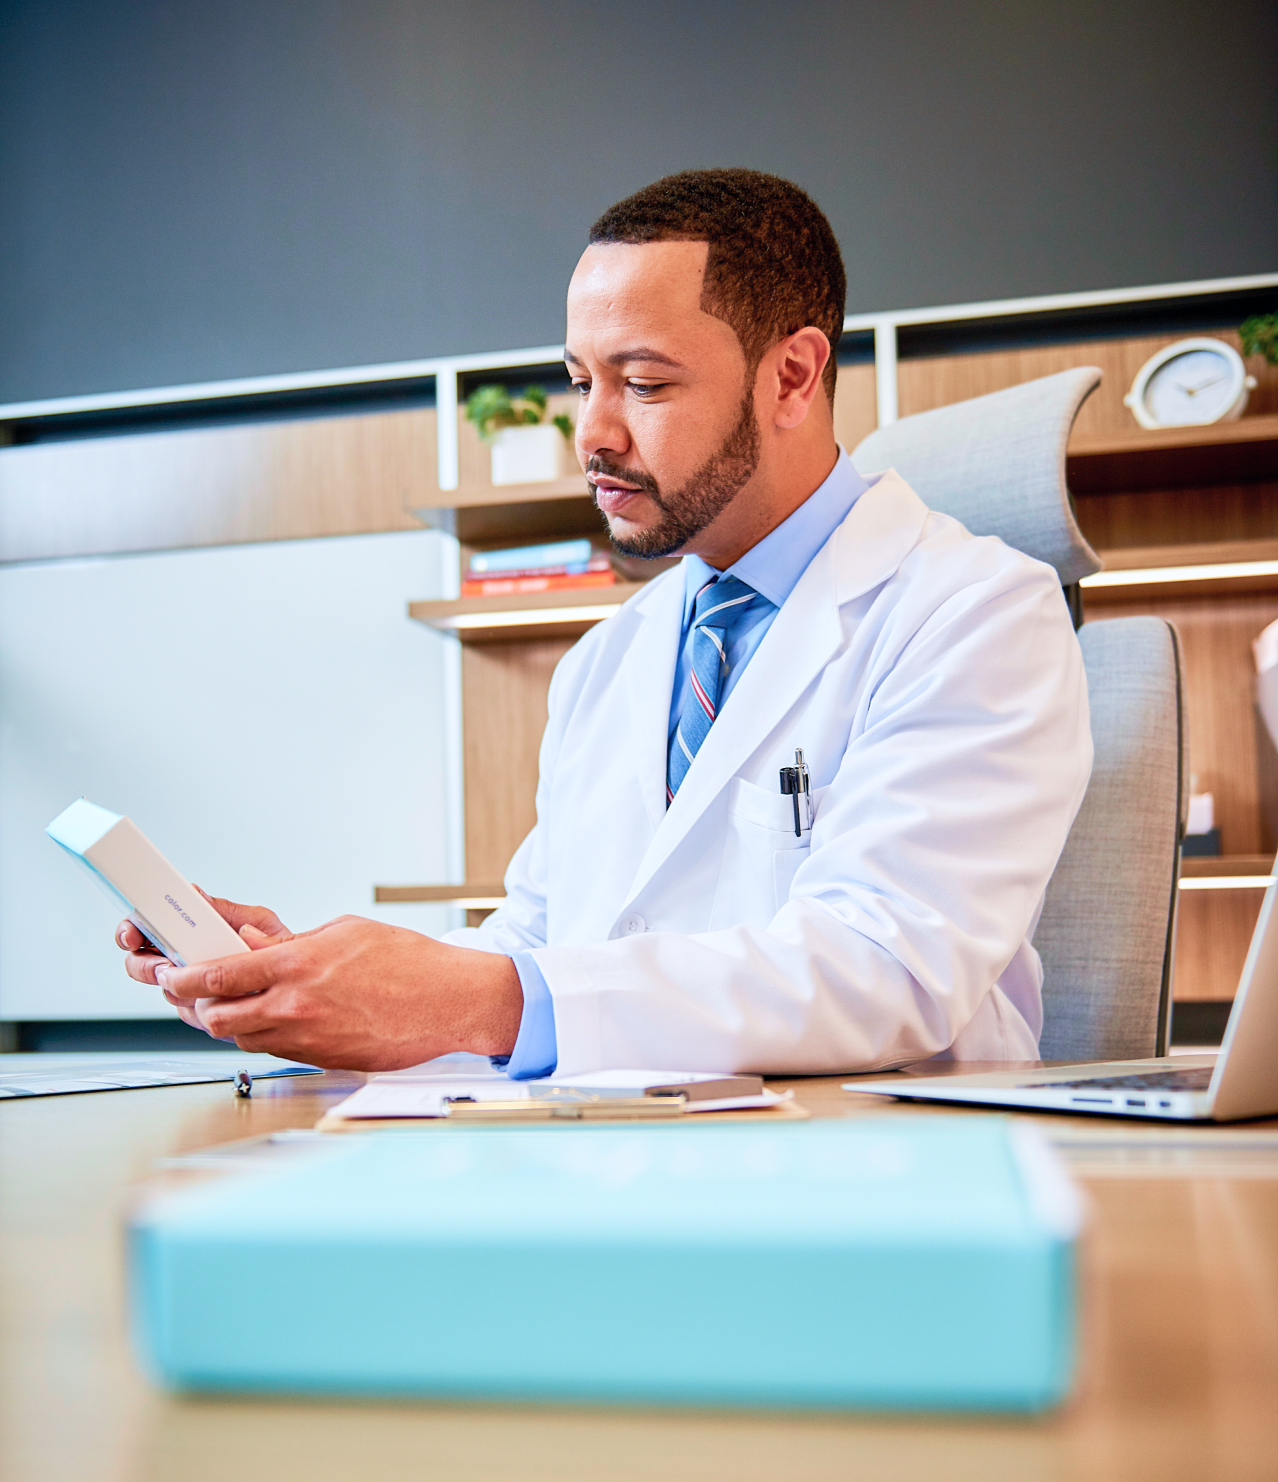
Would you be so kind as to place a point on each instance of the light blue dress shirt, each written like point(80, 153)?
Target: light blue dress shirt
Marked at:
point(772, 568)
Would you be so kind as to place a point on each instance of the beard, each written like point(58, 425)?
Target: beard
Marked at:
point(686, 512)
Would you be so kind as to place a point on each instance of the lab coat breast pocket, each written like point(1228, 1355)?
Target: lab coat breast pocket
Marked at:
point(761, 856)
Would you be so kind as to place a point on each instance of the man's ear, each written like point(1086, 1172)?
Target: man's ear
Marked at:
point(797, 362)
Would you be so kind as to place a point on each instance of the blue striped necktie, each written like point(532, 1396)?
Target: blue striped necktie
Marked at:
point(721, 607)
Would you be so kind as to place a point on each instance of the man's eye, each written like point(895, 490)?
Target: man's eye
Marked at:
point(646, 388)
point(581, 386)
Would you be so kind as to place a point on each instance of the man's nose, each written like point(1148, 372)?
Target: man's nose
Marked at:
point(601, 427)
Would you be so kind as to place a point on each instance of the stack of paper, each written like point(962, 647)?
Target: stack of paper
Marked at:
point(457, 1085)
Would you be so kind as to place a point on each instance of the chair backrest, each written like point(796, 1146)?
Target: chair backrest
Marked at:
point(1107, 932)
point(997, 464)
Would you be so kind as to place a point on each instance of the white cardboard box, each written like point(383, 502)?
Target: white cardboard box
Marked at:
point(165, 907)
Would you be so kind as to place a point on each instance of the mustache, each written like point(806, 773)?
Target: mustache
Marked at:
point(641, 481)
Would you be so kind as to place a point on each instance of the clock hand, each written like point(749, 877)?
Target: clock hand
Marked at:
point(1201, 386)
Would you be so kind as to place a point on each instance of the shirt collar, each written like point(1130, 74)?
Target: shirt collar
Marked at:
point(773, 566)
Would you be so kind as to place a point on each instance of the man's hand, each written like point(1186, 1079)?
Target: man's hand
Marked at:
point(353, 994)
point(255, 924)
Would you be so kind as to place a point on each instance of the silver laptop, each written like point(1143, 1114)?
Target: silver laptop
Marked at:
point(1241, 1081)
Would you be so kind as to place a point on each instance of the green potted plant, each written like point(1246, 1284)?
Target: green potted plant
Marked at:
point(528, 447)
point(1260, 336)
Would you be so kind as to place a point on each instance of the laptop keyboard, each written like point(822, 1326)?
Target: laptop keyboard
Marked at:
point(1144, 1080)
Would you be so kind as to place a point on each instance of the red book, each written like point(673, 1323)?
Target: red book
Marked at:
point(512, 585)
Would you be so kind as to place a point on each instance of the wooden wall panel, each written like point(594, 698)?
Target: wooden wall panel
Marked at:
point(1218, 512)
point(153, 491)
point(1220, 681)
point(938, 381)
point(1213, 932)
point(856, 412)
point(504, 690)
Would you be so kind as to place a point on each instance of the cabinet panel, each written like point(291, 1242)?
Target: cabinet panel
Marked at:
point(154, 491)
point(1192, 516)
point(265, 713)
point(1213, 932)
point(504, 690)
point(1220, 684)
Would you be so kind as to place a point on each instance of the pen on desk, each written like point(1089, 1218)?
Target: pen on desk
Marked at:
point(243, 1083)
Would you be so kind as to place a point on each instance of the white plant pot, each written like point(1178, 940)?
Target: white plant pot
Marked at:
point(528, 455)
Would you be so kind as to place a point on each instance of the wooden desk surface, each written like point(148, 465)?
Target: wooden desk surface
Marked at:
point(1179, 1375)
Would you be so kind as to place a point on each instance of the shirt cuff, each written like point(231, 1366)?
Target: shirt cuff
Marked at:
point(536, 1051)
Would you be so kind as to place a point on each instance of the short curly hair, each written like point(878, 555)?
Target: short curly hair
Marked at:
point(774, 265)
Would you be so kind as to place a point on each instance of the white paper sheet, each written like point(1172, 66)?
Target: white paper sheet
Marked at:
point(422, 1090)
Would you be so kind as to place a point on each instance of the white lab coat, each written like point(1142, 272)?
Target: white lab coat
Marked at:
point(936, 687)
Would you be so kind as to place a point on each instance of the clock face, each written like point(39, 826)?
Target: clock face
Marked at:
point(1196, 386)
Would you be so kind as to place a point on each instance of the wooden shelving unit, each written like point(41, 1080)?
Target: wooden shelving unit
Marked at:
point(1151, 458)
point(1186, 519)
point(508, 619)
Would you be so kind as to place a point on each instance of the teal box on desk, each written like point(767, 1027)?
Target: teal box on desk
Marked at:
point(889, 1263)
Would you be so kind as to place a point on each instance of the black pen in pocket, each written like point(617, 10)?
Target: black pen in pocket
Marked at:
point(795, 781)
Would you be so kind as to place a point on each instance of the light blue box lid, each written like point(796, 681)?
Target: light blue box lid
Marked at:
point(896, 1262)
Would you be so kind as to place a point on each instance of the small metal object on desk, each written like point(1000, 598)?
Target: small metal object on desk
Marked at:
point(243, 1083)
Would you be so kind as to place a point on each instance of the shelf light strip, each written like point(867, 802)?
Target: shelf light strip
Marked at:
point(1139, 576)
point(1133, 577)
point(1197, 882)
point(1226, 882)
point(526, 617)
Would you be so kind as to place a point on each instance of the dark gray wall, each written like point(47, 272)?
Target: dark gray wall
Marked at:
point(191, 191)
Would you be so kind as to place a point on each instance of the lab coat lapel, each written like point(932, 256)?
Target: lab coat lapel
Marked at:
point(650, 670)
point(881, 529)
point(806, 633)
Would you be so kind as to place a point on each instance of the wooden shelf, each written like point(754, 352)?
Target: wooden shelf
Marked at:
point(1223, 866)
point(1168, 457)
point(509, 619)
point(489, 514)
point(476, 896)
point(1209, 569)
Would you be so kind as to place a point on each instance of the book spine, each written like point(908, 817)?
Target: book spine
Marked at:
point(500, 586)
point(598, 562)
point(559, 553)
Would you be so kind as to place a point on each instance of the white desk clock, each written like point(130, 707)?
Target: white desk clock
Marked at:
point(1192, 382)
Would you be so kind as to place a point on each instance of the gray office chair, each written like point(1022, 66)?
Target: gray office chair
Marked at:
point(1107, 931)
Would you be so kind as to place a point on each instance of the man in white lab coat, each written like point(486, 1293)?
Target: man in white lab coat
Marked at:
point(696, 894)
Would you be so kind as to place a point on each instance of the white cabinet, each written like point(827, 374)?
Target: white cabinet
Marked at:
point(267, 713)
